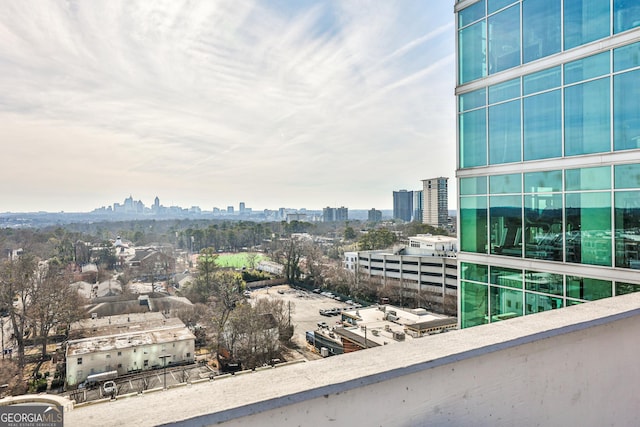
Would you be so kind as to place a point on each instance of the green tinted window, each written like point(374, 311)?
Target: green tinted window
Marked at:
point(473, 100)
point(474, 304)
point(503, 184)
point(627, 176)
point(585, 21)
point(505, 303)
point(627, 229)
point(473, 224)
point(626, 110)
point(543, 125)
point(543, 235)
point(504, 40)
point(587, 68)
point(472, 58)
point(588, 289)
point(471, 14)
point(473, 138)
point(626, 288)
point(588, 179)
point(626, 15)
point(505, 140)
point(626, 57)
point(548, 283)
point(541, 28)
point(587, 123)
point(542, 80)
point(505, 225)
point(538, 303)
point(504, 91)
point(493, 5)
point(588, 228)
point(543, 182)
point(474, 272)
point(473, 186)
point(509, 277)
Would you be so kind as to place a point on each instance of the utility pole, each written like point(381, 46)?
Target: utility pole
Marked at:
point(365, 337)
point(164, 366)
point(2, 327)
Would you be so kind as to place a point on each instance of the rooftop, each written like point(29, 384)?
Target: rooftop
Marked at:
point(386, 324)
point(118, 332)
point(553, 368)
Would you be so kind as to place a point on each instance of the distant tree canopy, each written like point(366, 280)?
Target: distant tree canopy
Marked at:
point(376, 239)
point(415, 228)
point(349, 233)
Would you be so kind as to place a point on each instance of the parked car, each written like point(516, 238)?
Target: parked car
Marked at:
point(109, 387)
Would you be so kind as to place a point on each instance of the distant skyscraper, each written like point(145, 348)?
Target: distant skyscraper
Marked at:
point(548, 154)
point(335, 214)
point(230, 209)
point(436, 201)
point(374, 215)
point(342, 213)
point(403, 205)
point(242, 207)
point(418, 205)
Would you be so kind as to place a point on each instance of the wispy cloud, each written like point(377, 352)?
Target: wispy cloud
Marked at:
point(213, 102)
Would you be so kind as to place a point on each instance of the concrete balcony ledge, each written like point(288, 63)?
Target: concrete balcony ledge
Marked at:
point(575, 366)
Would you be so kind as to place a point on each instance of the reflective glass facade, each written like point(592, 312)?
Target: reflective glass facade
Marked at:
point(548, 154)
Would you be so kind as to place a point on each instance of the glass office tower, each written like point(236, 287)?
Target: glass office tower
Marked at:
point(548, 98)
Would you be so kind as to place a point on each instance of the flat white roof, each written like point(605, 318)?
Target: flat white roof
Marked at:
point(125, 331)
point(372, 322)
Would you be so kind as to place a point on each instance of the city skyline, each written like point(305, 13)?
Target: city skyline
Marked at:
point(206, 104)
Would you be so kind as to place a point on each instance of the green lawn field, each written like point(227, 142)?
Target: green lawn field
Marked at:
point(238, 260)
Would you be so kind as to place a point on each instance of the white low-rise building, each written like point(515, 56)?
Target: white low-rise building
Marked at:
point(127, 343)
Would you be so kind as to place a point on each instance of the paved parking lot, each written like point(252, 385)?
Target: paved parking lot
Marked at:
point(305, 313)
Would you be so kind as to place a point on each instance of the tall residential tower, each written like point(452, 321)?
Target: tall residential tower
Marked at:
point(548, 100)
point(436, 201)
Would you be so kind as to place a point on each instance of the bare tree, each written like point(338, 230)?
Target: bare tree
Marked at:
point(17, 288)
point(252, 259)
point(315, 263)
point(251, 335)
point(281, 313)
point(54, 302)
point(227, 292)
point(289, 255)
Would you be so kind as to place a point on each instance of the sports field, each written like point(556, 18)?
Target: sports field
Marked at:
point(238, 260)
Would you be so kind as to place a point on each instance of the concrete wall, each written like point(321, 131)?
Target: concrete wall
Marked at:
point(567, 367)
point(549, 382)
point(128, 359)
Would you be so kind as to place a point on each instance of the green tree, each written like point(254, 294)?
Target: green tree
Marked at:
point(415, 228)
point(106, 255)
point(203, 287)
point(349, 233)
point(376, 239)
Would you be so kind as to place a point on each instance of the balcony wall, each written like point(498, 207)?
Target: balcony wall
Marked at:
point(574, 366)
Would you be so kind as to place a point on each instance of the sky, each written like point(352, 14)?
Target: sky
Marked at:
point(278, 103)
